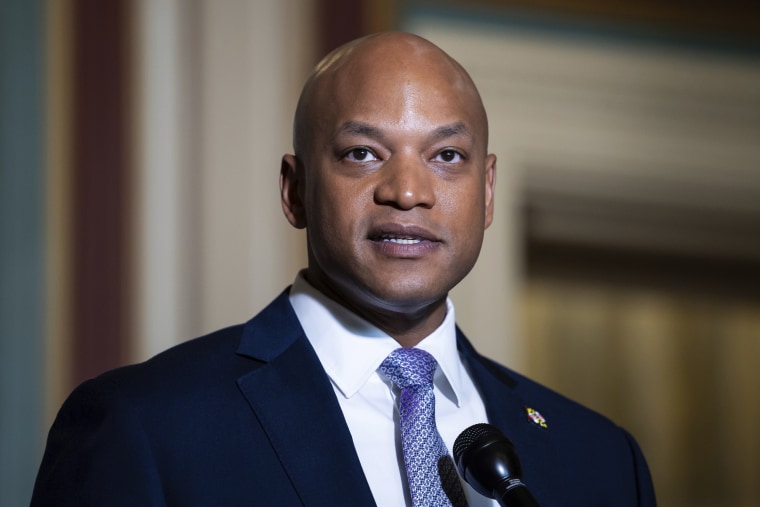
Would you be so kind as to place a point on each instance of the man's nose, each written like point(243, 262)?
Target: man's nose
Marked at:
point(405, 183)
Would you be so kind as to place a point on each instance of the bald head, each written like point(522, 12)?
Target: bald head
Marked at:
point(385, 63)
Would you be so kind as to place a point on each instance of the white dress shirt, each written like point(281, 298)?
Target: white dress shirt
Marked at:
point(351, 349)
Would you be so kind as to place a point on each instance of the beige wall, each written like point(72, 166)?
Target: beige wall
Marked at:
point(218, 86)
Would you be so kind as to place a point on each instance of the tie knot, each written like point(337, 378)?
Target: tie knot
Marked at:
point(407, 367)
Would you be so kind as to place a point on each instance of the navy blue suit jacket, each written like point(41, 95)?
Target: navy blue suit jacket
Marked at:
point(247, 416)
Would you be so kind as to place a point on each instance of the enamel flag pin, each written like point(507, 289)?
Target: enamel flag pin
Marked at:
point(536, 417)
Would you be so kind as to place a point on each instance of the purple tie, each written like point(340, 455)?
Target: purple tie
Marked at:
point(432, 476)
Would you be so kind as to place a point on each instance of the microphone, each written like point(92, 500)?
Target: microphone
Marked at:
point(488, 462)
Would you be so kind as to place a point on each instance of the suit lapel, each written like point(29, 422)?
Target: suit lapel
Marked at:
point(295, 403)
point(506, 408)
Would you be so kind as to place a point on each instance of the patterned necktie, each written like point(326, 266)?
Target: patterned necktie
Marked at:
point(432, 476)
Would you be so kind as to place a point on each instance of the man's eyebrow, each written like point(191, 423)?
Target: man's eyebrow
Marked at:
point(453, 129)
point(359, 128)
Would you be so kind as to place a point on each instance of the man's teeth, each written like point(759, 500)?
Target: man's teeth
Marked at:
point(401, 241)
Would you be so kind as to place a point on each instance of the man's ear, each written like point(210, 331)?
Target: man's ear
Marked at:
point(490, 187)
point(291, 191)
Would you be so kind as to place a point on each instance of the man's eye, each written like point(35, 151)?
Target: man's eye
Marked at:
point(360, 155)
point(448, 156)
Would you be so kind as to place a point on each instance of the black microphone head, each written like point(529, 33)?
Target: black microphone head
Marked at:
point(486, 458)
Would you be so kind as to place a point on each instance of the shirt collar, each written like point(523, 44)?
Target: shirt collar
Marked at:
point(351, 349)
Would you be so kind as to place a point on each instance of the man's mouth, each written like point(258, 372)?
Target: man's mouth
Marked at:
point(403, 241)
point(400, 240)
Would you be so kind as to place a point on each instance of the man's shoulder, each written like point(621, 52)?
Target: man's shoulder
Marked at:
point(185, 367)
point(563, 442)
point(543, 405)
point(213, 361)
point(214, 356)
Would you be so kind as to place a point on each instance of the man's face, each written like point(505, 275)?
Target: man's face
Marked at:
point(395, 184)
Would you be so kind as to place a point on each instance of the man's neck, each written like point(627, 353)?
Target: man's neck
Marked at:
point(406, 324)
point(409, 330)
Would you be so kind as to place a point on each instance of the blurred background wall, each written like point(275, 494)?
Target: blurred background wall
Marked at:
point(139, 156)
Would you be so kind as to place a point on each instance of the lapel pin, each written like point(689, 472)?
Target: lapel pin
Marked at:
point(536, 417)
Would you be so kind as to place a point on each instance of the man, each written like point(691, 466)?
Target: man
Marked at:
point(393, 183)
